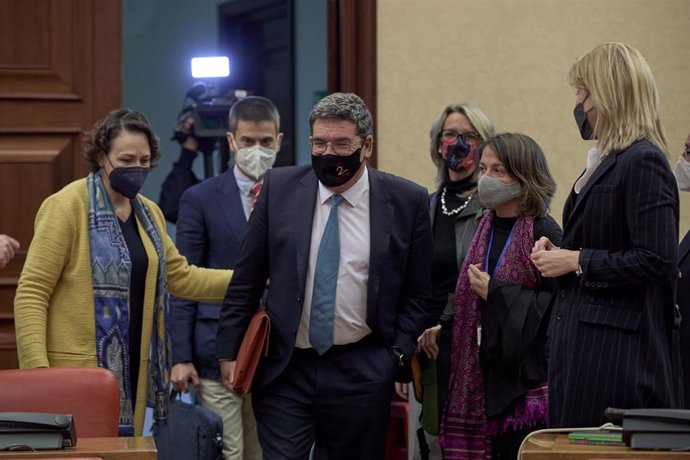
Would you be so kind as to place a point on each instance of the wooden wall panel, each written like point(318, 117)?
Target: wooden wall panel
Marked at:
point(38, 58)
point(352, 52)
point(59, 72)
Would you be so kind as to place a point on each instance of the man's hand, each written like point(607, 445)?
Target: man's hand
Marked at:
point(183, 373)
point(428, 342)
point(8, 248)
point(401, 390)
point(479, 281)
point(227, 373)
point(186, 126)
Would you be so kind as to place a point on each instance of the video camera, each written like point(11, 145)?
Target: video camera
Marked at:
point(209, 106)
point(210, 111)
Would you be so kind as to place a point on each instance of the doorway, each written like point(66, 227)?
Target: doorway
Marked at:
point(257, 36)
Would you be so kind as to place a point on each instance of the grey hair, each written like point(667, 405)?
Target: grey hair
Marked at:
point(344, 106)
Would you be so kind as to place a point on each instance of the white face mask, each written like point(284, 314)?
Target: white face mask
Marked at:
point(255, 160)
point(682, 172)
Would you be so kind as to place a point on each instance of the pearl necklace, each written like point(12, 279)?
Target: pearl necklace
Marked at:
point(445, 210)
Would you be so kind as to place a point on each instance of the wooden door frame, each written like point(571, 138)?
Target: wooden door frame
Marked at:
point(352, 52)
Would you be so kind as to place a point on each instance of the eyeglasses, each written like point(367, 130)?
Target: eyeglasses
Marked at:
point(451, 135)
point(339, 146)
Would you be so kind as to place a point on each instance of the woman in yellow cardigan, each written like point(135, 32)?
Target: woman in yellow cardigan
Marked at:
point(94, 288)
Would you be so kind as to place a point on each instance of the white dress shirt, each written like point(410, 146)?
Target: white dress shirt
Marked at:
point(349, 322)
point(593, 162)
point(245, 185)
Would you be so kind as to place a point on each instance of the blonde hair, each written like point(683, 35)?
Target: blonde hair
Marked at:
point(479, 121)
point(623, 92)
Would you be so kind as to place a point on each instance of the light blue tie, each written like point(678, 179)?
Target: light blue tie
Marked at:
point(325, 280)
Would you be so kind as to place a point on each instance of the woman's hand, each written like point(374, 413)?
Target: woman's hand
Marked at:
point(543, 244)
point(479, 281)
point(556, 262)
point(428, 342)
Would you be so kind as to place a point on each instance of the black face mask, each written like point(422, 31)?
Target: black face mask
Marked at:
point(335, 170)
point(583, 125)
point(127, 181)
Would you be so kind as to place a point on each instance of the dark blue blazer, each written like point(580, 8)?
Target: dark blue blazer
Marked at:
point(210, 229)
point(611, 328)
point(277, 246)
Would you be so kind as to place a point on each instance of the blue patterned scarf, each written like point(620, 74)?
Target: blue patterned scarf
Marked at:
point(110, 273)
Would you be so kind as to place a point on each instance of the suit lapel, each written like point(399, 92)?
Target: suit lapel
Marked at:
point(607, 163)
point(304, 218)
point(381, 221)
point(231, 205)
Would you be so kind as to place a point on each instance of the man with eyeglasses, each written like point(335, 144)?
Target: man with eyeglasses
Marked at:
point(682, 173)
point(348, 252)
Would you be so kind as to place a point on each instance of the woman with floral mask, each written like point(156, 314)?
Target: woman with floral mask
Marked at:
point(94, 288)
point(454, 138)
point(497, 392)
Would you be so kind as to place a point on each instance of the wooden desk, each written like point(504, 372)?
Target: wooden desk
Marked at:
point(559, 448)
point(142, 448)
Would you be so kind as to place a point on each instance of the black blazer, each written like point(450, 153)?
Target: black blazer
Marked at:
point(611, 328)
point(277, 244)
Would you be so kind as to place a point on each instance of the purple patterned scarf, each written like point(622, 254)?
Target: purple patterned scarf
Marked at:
point(465, 430)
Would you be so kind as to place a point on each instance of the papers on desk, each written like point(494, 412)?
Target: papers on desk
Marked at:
point(599, 438)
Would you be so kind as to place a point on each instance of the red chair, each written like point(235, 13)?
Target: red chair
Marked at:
point(397, 440)
point(90, 394)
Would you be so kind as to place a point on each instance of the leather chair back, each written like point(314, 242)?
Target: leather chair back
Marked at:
point(90, 394)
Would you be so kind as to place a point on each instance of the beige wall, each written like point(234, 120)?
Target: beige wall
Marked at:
point(511, 57)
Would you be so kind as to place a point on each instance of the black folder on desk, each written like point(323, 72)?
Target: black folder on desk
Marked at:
point(36, 430)
point(654, 429)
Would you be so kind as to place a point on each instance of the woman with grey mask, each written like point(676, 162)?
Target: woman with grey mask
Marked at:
point(498, 388)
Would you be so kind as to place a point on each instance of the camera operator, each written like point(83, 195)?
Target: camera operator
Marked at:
point(181, 177)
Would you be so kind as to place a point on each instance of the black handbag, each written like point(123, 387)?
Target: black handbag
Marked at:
point(190, 432)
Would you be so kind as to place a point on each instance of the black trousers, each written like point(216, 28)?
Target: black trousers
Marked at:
point(340, 400)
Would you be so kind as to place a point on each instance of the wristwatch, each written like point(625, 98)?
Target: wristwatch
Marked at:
point(401, 356)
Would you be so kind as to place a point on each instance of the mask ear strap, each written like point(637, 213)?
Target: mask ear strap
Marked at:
point(233, 145)
point(108, 160)
point(583, 103)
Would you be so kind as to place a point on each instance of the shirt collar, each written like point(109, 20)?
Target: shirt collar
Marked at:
point(353, 195)
point(244, 183)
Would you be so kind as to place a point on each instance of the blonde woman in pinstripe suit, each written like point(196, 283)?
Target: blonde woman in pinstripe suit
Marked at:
point(611, 326)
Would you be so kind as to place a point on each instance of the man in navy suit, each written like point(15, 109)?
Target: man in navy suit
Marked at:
point(211, 226)
point(331, 382)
